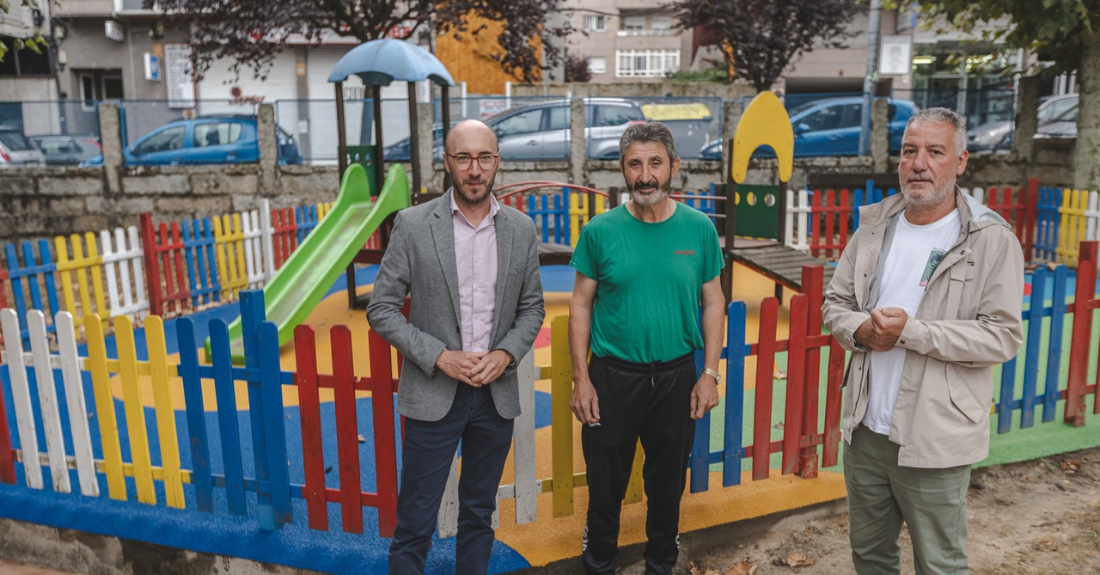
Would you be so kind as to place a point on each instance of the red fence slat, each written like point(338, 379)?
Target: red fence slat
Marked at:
point(1077, 375)
point(812, 286)
point(284, 234)
point(385, 443)
point(762, 410)
point(796, 372)
point(165, 285)
point(309, 407)
point(347, 430)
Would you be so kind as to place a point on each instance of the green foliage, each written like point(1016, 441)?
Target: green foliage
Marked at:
point(1055, 29)
point(716, 73)
point(33, 44)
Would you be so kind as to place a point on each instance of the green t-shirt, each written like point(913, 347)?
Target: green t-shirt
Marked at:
point(650, 280)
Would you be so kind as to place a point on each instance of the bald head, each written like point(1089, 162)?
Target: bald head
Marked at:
point(467, 130)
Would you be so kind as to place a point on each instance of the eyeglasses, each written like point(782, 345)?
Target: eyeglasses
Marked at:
point(464, 161)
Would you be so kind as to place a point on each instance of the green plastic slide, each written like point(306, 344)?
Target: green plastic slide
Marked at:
point(327, 251)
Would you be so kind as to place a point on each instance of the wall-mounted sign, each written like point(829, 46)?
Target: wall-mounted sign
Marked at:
point(896, 56)
point(177, 76)
point(152, 67)
point(115, 30)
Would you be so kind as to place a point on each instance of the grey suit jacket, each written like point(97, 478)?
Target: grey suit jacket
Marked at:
point(420, 262)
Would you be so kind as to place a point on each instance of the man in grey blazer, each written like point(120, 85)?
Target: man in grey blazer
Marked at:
point(471, 268)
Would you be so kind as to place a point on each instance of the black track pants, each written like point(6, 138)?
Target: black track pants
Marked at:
point(651, 402)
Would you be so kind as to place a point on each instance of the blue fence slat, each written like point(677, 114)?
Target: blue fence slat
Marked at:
point(1058, 312)
point(564, 219)
point(271, 390)
point(733, 451)
point(1034, 335)
point(196, 415)
point(252, 315)
point(227, 417)
point(25, 274)
point(1046, 236)
point(199, 244)
point(700, 448)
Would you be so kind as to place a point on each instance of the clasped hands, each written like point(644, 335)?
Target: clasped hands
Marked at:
point(881, 331)
point(476, 368)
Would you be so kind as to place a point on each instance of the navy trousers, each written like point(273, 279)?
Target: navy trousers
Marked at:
point(427, 452)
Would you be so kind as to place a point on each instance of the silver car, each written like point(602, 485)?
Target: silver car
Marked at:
point(541, 131)
point(18, 151)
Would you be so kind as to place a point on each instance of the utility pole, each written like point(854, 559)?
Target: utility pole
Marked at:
point(874, 31)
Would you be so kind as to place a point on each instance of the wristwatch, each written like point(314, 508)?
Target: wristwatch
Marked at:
point(713, 373)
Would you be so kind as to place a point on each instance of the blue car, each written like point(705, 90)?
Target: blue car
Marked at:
point(830, 127)
point(204, 140)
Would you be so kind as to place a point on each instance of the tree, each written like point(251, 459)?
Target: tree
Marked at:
point(763, 37)
point(1060, 31)
point(576, 68)
point(253, 32)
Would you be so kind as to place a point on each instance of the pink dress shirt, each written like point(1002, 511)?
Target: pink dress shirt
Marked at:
point(476, 258)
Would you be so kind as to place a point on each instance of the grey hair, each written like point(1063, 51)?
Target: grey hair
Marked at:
point(943, 116)
point(648, 132)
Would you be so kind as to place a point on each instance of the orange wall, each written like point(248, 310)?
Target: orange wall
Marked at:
point(469, 59)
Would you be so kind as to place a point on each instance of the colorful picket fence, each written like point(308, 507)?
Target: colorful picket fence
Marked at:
point(809, 436)
point(821, 222)
point(156, 269)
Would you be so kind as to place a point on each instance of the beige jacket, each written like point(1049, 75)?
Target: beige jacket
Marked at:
point(968, 321)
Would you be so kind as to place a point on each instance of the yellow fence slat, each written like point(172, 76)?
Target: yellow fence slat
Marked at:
point(229, 242)
point(72, 261)
point(166, 419)
point(1062, 251)
point(105, 409)
point(135, 411)
point(561, 417)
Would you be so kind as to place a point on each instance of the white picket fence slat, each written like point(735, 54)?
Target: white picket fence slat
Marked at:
point(124, 268)
point(71, 364)
point(798, 220)
point(21, 397)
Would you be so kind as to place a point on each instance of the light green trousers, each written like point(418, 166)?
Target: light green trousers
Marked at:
point(882, 494)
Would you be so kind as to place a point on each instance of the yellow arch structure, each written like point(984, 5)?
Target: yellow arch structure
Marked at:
point(764, 123)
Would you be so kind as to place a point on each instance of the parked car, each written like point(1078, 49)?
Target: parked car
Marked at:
point(67, 150)
point(541, 131)
point(998, 135)
point(830, 127)
point(204, 140)
point(17, 151)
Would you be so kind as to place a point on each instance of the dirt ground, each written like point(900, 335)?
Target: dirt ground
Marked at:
point(1033, 518)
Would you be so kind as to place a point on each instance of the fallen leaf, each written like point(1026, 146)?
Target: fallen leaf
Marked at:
point(692, 569)
point(742, 568)
point(778, 425)
point(780, 374)
point(1070, 466)
point(362, 439)
point(799, 560)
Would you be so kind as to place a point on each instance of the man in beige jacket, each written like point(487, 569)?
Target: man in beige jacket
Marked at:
point(927, 296)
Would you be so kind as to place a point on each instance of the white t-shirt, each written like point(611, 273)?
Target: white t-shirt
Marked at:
point(914, 254)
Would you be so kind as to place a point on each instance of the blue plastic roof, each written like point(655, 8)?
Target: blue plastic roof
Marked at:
point(380, 62)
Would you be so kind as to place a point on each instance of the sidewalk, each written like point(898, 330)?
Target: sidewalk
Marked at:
point(7, 568)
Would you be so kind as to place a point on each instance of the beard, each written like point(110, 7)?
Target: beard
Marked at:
point(472, 198)
point(940, 193)
point(654, 199)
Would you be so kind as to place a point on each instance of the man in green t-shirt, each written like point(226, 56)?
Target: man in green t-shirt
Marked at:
point(643, 269)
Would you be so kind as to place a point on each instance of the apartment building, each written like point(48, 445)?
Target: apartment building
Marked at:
point(25, 74)
point(626, 40)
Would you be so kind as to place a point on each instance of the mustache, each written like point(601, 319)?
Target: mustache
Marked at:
point(650, 184)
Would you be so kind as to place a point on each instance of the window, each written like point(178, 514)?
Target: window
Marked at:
point(15, 141)
point(662, 23)
point(833, 118)
point(521, 123)
point(219, 134)
point(58, 146)
point(597, 65)
point(593, 23)
point(612, 115)
point(646, 63)
point(164, 141)
point(559, 118)
point(24, 62)
point(634, 23)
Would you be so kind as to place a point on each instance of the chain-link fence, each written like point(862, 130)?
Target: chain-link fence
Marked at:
point(979, 106)
point(695, 123)
point(65, 131)
point(312, 124)
point(154, 132)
